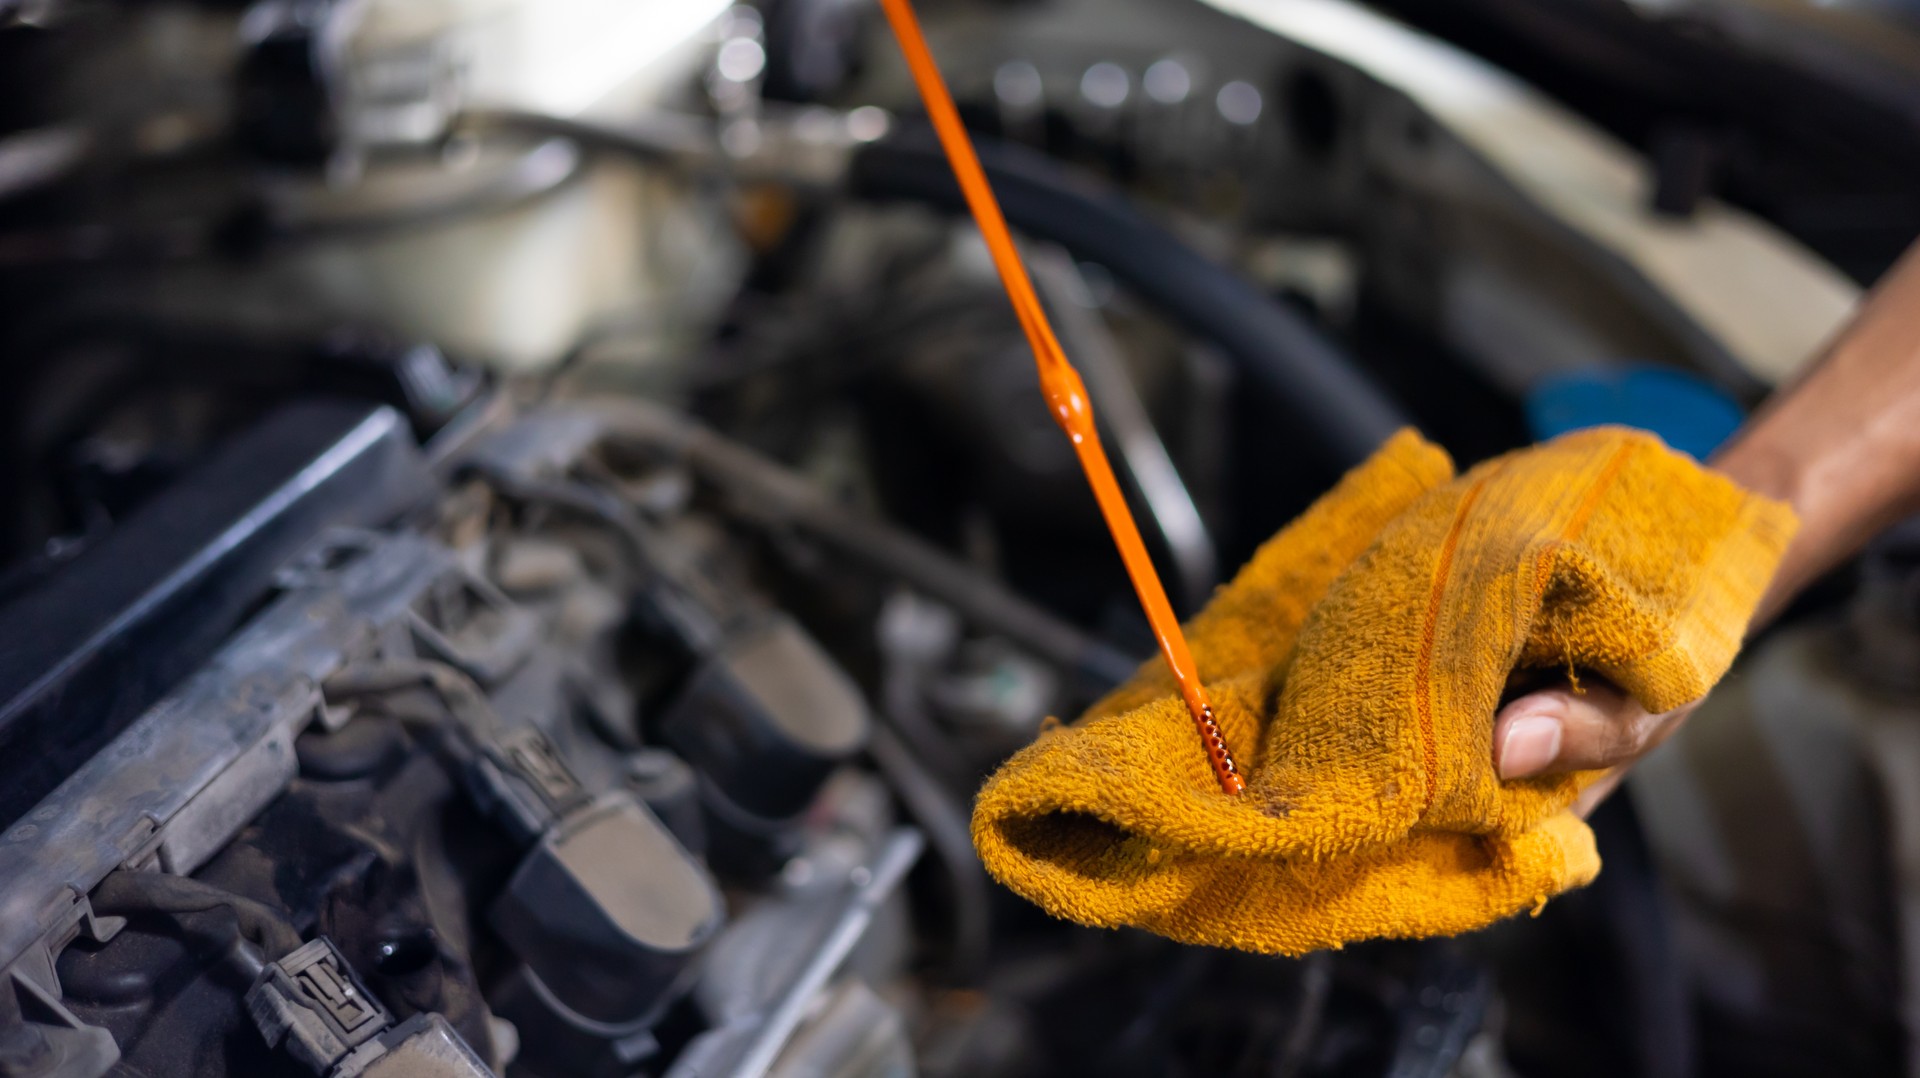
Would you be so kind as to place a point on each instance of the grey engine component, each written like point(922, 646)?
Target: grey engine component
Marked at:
point(447, 804)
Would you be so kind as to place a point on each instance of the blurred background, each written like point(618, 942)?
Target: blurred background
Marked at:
point(634, 362)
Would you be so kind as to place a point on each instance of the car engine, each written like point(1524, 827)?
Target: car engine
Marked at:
point(531, 521)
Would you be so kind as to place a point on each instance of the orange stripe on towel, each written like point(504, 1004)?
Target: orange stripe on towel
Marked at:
point(1423, 663)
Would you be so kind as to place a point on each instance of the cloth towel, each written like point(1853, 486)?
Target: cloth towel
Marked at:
point(1357, 662)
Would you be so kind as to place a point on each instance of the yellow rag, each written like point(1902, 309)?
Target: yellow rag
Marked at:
point(1359, 659)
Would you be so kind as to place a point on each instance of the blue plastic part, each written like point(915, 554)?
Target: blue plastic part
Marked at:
point(1687, 412)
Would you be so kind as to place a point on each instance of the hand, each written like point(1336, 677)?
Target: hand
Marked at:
point(1842, 446)
point(1556, 730)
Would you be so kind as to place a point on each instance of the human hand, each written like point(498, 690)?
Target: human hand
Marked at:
point(1557, 730)
point(1842, 447)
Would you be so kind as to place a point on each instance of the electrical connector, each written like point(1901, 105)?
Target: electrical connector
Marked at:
point(312, 1004)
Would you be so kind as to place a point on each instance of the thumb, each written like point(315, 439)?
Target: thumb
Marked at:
point(1553, 731)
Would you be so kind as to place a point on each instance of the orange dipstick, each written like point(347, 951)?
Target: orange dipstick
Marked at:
point(1066, 396)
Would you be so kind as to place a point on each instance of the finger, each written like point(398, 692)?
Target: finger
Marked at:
point(1558, 730)
point(1591, 797)
point(1530, 734)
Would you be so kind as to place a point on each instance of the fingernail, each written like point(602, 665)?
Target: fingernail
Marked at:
point(1531, 745)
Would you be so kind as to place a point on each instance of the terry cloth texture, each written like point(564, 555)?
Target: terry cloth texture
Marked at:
point(1358, 661)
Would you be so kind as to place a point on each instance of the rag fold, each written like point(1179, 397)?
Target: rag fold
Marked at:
point(1357, 661)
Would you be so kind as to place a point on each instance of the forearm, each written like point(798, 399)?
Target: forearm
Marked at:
point(1842, 444)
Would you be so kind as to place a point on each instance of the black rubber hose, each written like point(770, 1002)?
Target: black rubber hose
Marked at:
point(772, 497)
point(125, 892)
point(1323, 394)
point(944, 819)
point(1316, 984)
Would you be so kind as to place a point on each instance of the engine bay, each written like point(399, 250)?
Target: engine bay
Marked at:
point(532, 521)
